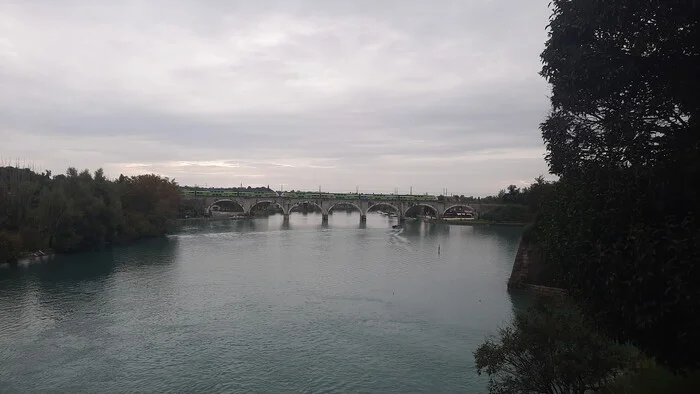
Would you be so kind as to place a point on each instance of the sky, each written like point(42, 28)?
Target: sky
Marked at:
point(386, 95)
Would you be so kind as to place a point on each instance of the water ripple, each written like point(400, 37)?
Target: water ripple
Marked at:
point(260, 307)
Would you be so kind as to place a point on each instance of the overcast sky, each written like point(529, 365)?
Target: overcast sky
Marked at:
point(375, 94)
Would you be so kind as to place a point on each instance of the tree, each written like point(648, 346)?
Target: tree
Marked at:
point(149, 202)
point(623, 135)
point(10, 246)
point(547, 350)
point(539, 190)
point(80, 211)
point(624, 82)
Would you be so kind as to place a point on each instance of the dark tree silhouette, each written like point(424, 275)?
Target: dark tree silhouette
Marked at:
point(623, 135)
point(79, 210)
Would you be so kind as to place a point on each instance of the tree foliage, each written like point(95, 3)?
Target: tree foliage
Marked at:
point(527, 195)
point(508, 213)
point(550, 351)
point(623, 136)
point(624, 83)
point(80, 210)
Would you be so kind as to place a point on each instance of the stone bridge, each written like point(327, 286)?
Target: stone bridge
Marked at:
point(401, 207)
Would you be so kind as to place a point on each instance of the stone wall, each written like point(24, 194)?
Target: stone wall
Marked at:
point(520, 275)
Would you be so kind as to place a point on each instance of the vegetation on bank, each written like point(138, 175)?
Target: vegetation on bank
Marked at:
point(550, 349)
point(507, 214)
point(79, 210)
point(515, 204)
point(553, 347)
point(510, 195)
point(620, 229)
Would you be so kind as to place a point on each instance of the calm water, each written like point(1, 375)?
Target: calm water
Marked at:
point(260, 306)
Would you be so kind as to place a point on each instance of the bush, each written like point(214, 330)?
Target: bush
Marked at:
point(508, 213)
point(10, 245)
point(530, 233)
point(651, 378)
point(80, 211)
point(550, 350)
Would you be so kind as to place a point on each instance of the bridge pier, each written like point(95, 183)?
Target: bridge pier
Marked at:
point(363, 218)
point(324, 218)
point(285, 217)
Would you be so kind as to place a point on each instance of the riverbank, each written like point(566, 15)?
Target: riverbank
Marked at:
point(529, 271)
point(645, 376)
point(26, 258)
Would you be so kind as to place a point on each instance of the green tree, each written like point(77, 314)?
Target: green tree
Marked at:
point(10, 246)
point(623, 136)
point(149, 202)
point(550, 351)
point(80, 210)
point(508, 213)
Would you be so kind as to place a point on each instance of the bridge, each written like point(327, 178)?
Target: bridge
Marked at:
point(364, 205)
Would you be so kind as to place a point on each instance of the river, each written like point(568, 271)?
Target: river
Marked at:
point(262, 306)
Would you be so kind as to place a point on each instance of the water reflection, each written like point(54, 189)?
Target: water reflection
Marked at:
point(285, 225)
point(55, 270)
point(296, 221)
point(52, 275)
point(420, 228)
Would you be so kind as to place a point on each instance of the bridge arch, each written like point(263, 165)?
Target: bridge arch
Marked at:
point(271, 202)
point(301, 202)
point(373, 204)
point(347, 203)
point(470, 208)
point(420, 204)
point(216, 202)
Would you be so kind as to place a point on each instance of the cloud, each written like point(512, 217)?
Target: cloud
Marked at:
point(379, 94)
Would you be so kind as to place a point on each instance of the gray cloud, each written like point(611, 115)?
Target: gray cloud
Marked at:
point(339, 93)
